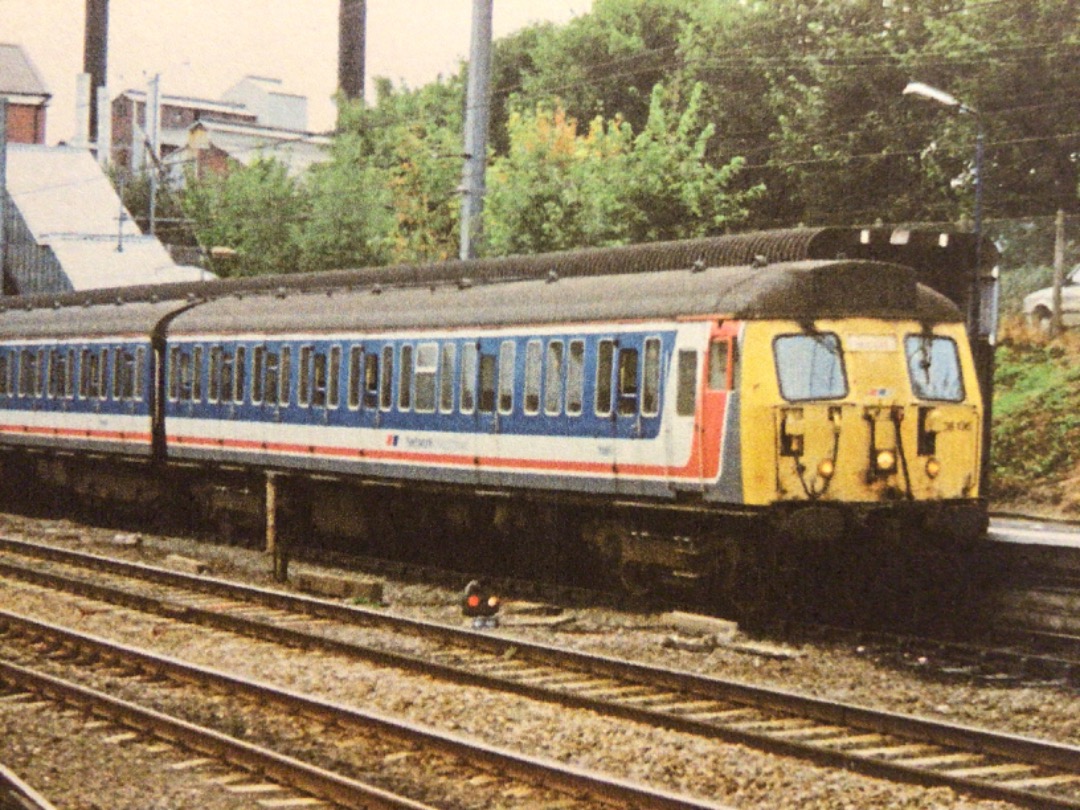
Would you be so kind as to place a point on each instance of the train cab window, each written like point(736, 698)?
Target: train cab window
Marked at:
point(258, 374)
point(405, 373)
point(605, 363)
point(487, 383)
point(686, 393)
point(469, 355)
point(386, 379)
point(303, 377)
point(507, 352)
point(447, 361)
point(934, 368)
point(371, 381)
point(810, 366)
point(718, 365)
point(333, 383)
point(532, 377)
point(628, 382)
point(427, 365)
point(553, 379)
point(575, 378)
point(650, 379)
point(356, 379)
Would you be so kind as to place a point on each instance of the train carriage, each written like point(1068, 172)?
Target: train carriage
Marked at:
point(683, 409)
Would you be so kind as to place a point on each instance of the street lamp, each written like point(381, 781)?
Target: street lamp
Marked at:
point(949, 100)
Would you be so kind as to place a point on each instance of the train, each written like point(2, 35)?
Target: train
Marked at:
point(710, 411)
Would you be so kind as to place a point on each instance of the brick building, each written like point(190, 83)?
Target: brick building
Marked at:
point(26, 94)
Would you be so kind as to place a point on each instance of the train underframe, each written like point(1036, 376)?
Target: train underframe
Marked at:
point(795, 555)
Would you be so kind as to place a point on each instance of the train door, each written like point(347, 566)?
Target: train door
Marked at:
point(719, 395)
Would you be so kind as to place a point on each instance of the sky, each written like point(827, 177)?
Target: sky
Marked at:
point(202, 48)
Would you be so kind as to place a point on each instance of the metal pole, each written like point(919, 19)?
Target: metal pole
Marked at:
point(153, 129)
point(1059, 274)
point(477, 109)
point(3, 189)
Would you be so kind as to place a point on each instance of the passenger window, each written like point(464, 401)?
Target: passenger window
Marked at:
point(303, 381)
point(553, 377)
point(215, 373)
point(405, 379)
point(258, 374)
point(333, 385)
point(575, 378)
point(628, 382)
point(4, 369)
point(184, 375)
point(138, 371)
point(270, 386)
point(650, 383)
point(285, 377)
point(386, 381)
point(356, 380)
point(40, 364)
point(226, 376)
point(427, 364)
point(319, 381)
point(718, 365)
point(605, 360)
point(371, 381)
point(469, 354)
point(240, 374)
point(487, 383)
point(506, 376)
point(174, 375)
point(532, 377)
point(686, 394)
point(446, 377)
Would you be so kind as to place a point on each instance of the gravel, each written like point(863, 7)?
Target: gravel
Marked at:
point(731, 774)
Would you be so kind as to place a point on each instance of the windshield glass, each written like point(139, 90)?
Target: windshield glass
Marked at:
point(810, 366)
point(934, 367)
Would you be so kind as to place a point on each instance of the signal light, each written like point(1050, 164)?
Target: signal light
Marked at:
point(480, 604)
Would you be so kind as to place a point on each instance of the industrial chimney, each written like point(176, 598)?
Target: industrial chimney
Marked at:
point(351, 34)
point(95, 55)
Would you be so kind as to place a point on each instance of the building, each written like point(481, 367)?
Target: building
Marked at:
point(66, 230)
point(26, 94)
point(254, 116)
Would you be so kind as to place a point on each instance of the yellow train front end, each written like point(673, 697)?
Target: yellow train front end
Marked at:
point(863, 427)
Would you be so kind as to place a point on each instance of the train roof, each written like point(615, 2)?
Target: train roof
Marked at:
point(804, 291)
point(115, 319)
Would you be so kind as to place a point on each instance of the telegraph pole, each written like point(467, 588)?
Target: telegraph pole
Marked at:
point(477, 110)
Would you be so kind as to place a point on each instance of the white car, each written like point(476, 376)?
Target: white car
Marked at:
point(1040, 304)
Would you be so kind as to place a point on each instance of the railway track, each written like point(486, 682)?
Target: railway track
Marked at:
point(337, 726)
point(888, 745)
point(15, 794)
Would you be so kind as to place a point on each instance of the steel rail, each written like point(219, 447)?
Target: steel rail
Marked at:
point(15, 794)
point(550, 773)
point(955, 737)
point(286, 770)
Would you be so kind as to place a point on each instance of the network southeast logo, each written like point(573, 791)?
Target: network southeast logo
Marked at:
point(392, 440)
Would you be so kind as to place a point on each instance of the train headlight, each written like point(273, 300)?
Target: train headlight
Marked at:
point(933, 467)
point(826, 468)
point(885, 460)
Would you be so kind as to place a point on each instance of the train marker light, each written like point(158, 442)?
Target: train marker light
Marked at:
point(885, 460)
point(826, 468)
point(480, 604)
point(933, 467)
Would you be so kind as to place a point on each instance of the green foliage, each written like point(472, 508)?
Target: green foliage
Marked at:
point(255, 210)
point(1036, 438)
point(557, 189)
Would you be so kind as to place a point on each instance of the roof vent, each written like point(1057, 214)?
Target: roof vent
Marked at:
point(280, 292)
point(698, 266)
point(376, 290)
point(760, 260)
point(552, 276)
point(464, 283)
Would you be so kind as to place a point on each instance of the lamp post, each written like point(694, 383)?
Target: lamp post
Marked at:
point(982, 330)
point(941, 97)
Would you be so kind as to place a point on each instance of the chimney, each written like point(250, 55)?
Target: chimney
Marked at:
point(351, 33)
point(95, 54)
